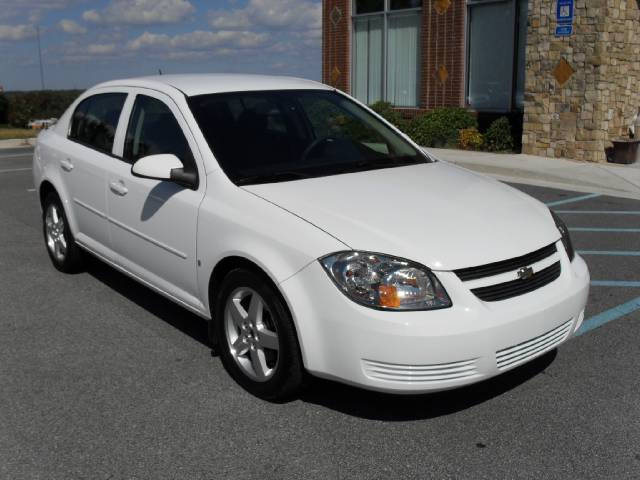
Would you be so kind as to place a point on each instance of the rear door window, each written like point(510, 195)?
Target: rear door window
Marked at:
point(95, 120)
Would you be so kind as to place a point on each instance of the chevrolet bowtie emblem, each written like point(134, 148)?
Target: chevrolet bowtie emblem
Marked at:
point(525, 273)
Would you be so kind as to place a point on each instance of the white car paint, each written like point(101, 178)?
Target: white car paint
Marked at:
point(407, 221)
point(156, 166)
point(171, 239)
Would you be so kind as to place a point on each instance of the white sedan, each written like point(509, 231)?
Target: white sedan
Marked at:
point(312, 234)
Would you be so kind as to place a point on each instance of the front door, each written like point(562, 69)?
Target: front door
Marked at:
point(153, 223)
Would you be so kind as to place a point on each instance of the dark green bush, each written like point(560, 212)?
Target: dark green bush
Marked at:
point(385, 110)
point(4, 108)
point(439, 128)
point(26, 106)
point(498, 137)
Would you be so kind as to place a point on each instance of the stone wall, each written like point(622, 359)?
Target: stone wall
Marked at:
point(578, 118)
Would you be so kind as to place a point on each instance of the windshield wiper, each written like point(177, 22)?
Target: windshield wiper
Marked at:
point(378, 164)
point(272, 177)
point(393, 161)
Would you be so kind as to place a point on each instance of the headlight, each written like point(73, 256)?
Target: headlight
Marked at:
point(384, 282)
point(566, 239)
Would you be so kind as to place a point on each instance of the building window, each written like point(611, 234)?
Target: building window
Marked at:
point(496, 54)
point(386, 51)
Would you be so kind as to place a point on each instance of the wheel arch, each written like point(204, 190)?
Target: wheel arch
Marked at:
point(232, 262)
point(46, 187)
point(51, 184)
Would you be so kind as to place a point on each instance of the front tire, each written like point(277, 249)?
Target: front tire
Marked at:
point(65, 255)
point(256, 337)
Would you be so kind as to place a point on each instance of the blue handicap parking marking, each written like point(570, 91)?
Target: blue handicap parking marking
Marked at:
point(624, 309)
point(614, 253)
point(598, 212)
point(609, 315)
point(612, 230)
point(615, 283)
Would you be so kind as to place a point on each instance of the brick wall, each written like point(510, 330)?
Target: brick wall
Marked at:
point(336, 43)
point(442, 51)
point(443, 54)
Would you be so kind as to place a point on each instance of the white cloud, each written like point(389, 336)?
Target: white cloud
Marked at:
point(141, 12)
point(69, 26)
point(199, 40)
point(288, 14)
point(229, 19)
point(100, 49)
point(17, 32)
point(33, 8)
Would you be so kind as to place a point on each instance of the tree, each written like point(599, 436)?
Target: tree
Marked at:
point(4, 108)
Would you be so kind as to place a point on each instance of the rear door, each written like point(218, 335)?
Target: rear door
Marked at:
point(153, 223)
point(84, 164)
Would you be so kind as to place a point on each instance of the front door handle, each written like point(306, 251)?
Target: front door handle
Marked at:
point(118, 188)
point(66, 165)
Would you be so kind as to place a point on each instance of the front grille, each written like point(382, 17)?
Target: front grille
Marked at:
point(503, 291)
point(512, 356)
point(392, 372)
point(496, 268)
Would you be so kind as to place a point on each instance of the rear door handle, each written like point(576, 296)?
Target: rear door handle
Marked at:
point(66, 165)
point(118, 188)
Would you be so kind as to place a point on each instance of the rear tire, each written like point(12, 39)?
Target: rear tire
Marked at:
point(63, 251)
point(256, 337)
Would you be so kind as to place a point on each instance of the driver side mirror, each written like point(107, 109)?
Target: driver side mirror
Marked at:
point(165, 166)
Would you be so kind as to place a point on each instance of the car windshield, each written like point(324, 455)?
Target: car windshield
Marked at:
point(276, 136)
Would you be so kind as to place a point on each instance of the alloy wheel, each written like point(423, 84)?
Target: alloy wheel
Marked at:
point(54, 225)
point(251, 334)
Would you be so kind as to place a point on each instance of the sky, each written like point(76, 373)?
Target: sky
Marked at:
point(87, 42)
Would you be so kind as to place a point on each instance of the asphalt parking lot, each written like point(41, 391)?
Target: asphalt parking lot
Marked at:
point(102, 379)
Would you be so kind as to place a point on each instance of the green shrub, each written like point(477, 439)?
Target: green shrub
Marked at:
point(4, 108)
point(498, 137)
point(439, 128)
point(25, 106)
point(386, 111)
point(470, 139)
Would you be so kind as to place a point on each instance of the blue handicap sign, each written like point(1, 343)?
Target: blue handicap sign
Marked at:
point(564, 30)
point(564, 11)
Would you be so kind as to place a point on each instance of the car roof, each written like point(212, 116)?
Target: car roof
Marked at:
point(206, 83)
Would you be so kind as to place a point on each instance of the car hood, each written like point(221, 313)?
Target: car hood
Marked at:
point(440, 215)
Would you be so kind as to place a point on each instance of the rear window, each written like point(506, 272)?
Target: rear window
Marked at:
point(95, 120)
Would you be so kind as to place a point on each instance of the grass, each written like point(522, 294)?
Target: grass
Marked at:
point(7, 133)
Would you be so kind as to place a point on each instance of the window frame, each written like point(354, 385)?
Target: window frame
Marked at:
point(174, 105)
point(135, 98)
point(385, 14)
point(123, 111)
point(515, 39)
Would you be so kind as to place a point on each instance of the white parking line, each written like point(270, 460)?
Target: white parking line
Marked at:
point(572, 199)
point(31, 189)
point(11, 170)
point(16, 157)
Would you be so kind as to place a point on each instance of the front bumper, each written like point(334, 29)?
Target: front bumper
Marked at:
point(415, 352)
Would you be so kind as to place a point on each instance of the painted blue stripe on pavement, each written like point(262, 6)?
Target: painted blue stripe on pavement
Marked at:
point(609, 316)
point(618, 253)
point(601, 212)
point(573, 199)
point(614, 283)
point(618, 230)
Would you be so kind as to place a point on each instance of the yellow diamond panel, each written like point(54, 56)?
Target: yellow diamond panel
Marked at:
point(563, 72)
